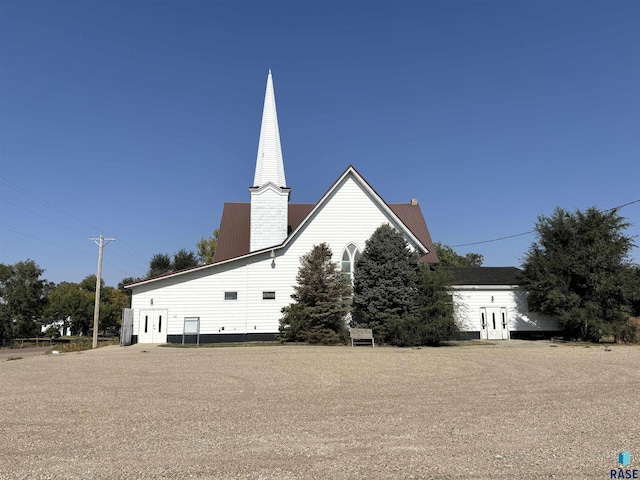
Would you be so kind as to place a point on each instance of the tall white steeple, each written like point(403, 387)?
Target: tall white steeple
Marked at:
point(269, 165)
point(269, 193)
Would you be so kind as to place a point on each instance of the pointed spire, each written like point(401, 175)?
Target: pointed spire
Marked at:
point(269, 164)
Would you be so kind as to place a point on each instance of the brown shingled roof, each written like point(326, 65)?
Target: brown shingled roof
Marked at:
point(234, 237)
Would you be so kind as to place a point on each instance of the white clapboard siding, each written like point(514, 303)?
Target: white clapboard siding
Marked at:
point(469, 299)
point(348, 215)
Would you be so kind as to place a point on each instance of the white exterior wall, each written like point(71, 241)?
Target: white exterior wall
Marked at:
point(469, 299)
point(349, 215)
point(269, 216)
point(201, 294)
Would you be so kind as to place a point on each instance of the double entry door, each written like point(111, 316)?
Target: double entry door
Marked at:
point(152, 327)
point(494, 324)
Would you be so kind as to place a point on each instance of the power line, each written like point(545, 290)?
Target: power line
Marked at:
point(493, 239)
point(131, 251)
point(533, 231)
point(45, 241)
point(45, 202)
point(62, 211)
point(66, 248)
point(41, 216)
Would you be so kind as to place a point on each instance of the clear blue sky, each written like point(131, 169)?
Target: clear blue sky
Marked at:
point(140, 118)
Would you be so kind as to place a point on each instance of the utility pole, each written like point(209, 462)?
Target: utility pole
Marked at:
point(96, 310)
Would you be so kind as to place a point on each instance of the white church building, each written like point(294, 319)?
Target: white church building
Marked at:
point(240, 295)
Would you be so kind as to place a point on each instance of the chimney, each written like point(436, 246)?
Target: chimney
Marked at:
point(414, 201)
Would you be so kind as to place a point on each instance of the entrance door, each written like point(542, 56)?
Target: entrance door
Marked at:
point(152, 327)
point(494, 323)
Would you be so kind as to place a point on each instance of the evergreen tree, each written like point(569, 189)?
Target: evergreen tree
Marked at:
point(159, 264)
point(184, 259)
point(579, 271)
point(321, 301)
point(162, 263)
point(434, 321)
point(386, 280)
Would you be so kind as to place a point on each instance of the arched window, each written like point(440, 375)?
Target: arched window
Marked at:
point(349, 258)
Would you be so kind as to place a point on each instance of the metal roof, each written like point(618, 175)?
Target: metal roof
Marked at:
point(234, 236)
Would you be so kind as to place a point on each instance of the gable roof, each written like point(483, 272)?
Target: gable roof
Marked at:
point(485, 275)
point(235, 225)
point(235, 235)
point(235, 228)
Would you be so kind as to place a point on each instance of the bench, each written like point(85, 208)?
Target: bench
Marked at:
point(361, 335)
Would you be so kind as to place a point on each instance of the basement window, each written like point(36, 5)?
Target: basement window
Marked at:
point(268, 295)
point(230, 295)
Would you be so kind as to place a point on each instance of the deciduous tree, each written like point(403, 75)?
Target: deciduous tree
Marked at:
point(450, 258)
point(22, 299)
point(207, 247)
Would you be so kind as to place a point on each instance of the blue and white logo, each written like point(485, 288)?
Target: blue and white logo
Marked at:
point(624, 458)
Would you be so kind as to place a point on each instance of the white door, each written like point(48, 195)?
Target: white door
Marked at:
point(152, 327)
point(494, 325)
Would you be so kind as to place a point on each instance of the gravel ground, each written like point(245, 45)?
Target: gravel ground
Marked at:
point(513, 410)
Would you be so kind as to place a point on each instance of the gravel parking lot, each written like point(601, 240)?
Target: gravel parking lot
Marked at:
point(512, 410)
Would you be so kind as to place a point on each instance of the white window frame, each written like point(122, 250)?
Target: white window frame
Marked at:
point(352, 252)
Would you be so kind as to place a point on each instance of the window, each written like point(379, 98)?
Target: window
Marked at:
point(349, 258)
point(230, 295)
point(268, 295)
point(160, 324)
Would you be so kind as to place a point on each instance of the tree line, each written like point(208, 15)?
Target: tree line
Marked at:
point(28, 301)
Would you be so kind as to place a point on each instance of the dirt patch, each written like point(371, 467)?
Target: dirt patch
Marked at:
point(321, 412)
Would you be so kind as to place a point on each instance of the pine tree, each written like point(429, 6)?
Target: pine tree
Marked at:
point(386, 284)
point(321, 301)
point(434, 321)
point(579, 271)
